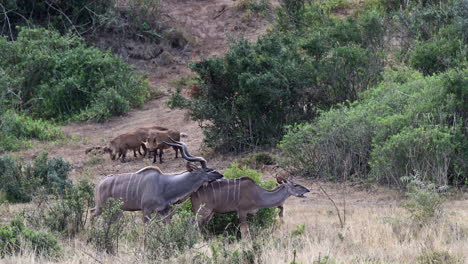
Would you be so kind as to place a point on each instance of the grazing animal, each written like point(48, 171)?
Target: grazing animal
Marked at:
point(149, 190)
point(242, 196)
point(156, 139)
point(129, 141)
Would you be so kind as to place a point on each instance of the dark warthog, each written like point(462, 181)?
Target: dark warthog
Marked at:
point(128, 141)
point(242, 196)
point(149, 190)
point(156, 139)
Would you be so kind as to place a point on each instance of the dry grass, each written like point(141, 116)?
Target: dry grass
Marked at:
point(377, 230)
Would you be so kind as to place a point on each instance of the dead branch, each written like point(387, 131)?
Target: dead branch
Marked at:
point(334, 204)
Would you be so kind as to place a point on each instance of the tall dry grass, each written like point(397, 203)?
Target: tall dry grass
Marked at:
point(377, 230)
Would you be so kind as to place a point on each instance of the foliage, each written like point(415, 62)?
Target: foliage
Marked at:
point(107, 230)
point(424, 202)
point(165, 241)
point(17, 129)
point(248, 96)
point(228, 223)
point(23, 179)
point(76, 16)
point(177, 100)
point(44, 70)
point(69, 213)
point(256, 160)
point(16, 236)
point(408, 119)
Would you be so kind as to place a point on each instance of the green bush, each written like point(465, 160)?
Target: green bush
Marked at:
point(228, 223)
point(424, 202)
point(76, 16)
point(408, 119)
point(163, 241)
point(437, 56)
point(49, 69)
point(248, 96)
point(15, 185)
point(23, 179)
point(15, 237)
point(69, 213)
point(17, 129)
point(107, 230)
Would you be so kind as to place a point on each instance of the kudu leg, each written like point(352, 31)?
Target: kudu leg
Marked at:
point(281, 212)
point(244, 226)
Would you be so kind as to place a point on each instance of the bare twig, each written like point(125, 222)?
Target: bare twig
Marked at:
point(334, 204)
point(7, 20)
point(63, 14)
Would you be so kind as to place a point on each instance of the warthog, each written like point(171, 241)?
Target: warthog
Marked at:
point(129, 141)
point(156, 139)
point(149, 190)
point(242, 196)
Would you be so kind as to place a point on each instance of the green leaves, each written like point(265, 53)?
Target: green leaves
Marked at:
point(53, 69)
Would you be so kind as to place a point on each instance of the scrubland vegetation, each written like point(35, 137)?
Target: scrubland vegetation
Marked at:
point(376, 96)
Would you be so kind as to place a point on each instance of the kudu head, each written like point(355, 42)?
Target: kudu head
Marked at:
point(207, 174)
point(293, 188)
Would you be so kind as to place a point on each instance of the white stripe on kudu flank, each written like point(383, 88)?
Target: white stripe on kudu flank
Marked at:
point(128, 185)
point(238, 192)
point(214, 194)
point(227, 196)
point(138, 186)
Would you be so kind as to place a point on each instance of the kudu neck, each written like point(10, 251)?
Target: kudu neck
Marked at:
point(184, 184)
point(273, 198)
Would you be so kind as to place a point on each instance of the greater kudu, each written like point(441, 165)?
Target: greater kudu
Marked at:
point(242, 196)
point(149, 190)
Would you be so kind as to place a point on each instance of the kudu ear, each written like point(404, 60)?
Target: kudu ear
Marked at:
point(280, 180)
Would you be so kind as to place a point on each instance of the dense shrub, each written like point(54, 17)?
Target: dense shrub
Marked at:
point(408, 123)
point(16, 131)
point(21, 179)
point(424, 202)
point(106, 232)
point(437, 56)
point(248, 96)
point(77, 16)
point(46, 70)
point(15, 186)
point(228, 223)
point(69, 213)
point(16, 237)
point(163, 241)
